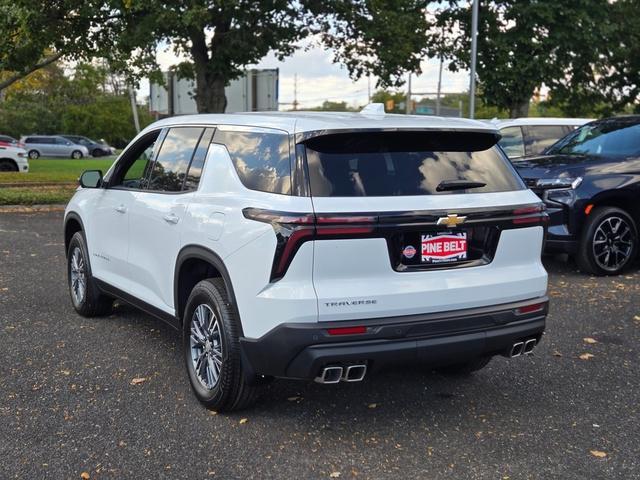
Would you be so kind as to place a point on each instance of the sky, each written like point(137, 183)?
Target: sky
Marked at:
point(319, 79)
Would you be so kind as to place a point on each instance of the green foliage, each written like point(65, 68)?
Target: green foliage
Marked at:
point(80, 105)
point(383, 96)
point(523, 44)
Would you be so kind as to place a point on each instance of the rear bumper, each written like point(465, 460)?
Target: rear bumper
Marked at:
point(302, 350)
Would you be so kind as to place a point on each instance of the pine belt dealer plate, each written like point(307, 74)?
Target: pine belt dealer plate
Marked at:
point(444, 247)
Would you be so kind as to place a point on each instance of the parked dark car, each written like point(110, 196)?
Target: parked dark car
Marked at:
point(590, 182)
point(96, 149)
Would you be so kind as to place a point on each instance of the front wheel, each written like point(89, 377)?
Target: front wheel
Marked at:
point(34, 154)
point(608, 243)
point(212, 349)
point(8, 166)
point(85, 295)
point(76, 154)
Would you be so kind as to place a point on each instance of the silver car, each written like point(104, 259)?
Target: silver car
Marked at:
point(53, 146)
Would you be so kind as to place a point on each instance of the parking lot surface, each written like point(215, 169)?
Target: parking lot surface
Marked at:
point(109, 396)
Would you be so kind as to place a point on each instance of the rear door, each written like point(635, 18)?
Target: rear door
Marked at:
point(411, 223)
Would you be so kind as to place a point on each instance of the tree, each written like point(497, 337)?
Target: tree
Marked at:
point(36, 34)
point(329, 106)
point(220, 38)
point(523, 44)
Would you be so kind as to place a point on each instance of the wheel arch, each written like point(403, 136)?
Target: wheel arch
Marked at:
point(193, 264)
point(72, 224)
point(7, 159)
point(623, 199)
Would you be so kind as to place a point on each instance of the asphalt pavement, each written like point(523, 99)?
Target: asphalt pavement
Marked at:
point(109, 397)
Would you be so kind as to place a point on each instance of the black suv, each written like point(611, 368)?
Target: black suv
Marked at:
point(590, 182)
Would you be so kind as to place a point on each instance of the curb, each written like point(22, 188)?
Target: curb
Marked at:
point(31, 208)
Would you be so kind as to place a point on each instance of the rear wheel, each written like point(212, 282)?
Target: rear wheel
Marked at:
point(33, 154)
point(8, 166)
point(212, 349)
point(76, 154)
point(609, 242)
point(466, 368)
point(85, 295)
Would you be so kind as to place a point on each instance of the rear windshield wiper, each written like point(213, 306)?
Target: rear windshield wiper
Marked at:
point(446, 185)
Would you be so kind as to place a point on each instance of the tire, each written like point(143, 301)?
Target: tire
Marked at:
point(466, 368)
point(601, 234)
point(208, 317)
point(97, 153)
point(90, 302)
point(34, 154)
point(8, 166)
point(76, 154)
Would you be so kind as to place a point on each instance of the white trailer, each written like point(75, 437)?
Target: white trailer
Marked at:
point(257, 90)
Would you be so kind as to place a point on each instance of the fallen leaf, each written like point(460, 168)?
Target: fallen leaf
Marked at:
point(85, 476)
point(586, 356)
point(334, 475)
point(212, 412)
point(243, 421)
point(65, 372)
point(294, 399)
point(598, 453)
point(556, 353)
point(589, 340)
point(138, 381)
point(372, 405)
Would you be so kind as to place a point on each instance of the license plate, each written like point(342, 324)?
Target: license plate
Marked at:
point(444, 247)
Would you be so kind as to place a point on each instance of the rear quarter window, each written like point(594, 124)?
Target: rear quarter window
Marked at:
point(406, 163)
point(262, 159)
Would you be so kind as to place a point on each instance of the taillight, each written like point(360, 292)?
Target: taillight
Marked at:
point(293, 229)
point(536, 307)
point(530, 215)
point(359, 330)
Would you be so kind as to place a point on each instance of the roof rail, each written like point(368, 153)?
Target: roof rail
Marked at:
point(373, 109)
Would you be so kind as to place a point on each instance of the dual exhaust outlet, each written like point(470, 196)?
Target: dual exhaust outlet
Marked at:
point(522, 348)
point(336, 374)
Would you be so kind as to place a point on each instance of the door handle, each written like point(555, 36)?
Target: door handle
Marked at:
point(171, 218)
point(121, 209)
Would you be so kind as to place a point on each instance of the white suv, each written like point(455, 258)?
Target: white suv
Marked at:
point(13, 158)
point(314, 245)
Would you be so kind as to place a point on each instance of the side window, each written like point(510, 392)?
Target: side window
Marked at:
point(542, 136)
point(171, 165)
point(197, 163)
point(262, 160)
point(512, 142)
point(132, 170)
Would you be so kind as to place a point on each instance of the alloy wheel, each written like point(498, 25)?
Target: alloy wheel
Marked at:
point(78, 276)
point(206, 346)
point(613, 243)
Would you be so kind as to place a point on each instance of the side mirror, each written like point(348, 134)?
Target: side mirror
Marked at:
point(91, 179)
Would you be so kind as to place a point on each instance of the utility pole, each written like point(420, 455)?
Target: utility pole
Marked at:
point(368, 88)
point(295, 91)
point(440, 76)
point(408, 99)
point(474, 53)
point(134, 108)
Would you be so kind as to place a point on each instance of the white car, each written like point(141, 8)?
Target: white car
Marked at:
point(524, 137)
point(318, 246)
point(13, 159)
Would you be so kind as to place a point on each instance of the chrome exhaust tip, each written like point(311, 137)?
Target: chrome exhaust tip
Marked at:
point(330, 375)
point(516, 349)
point(529, 345)
point(354, 373)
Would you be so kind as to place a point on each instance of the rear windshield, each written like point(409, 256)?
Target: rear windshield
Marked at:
point(407, 163)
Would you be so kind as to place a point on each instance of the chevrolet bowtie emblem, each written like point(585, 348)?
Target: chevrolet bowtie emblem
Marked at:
point(451, 220)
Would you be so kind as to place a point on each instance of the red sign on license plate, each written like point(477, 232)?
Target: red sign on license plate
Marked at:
point(444, 247)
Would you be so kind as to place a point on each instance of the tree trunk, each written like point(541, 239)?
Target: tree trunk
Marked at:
point(519, 110)
point(210, 96)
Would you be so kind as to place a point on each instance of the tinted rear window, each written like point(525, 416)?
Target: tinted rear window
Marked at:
point(406, 163)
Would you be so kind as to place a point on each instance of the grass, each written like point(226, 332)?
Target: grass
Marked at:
point(45, 170)
point(59, 177)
